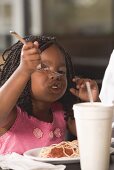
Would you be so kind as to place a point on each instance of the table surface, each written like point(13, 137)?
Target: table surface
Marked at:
point(76, 166)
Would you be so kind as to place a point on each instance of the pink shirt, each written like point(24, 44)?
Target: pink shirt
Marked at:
point(28, 132)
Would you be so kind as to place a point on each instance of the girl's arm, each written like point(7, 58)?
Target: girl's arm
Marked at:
point(12, 89)
point(10, 92)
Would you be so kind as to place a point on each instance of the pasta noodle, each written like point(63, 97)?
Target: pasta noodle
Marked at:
point(63, 149)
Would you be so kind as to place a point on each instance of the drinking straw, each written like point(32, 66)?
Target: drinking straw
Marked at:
point(89, 91)
point(18, 36)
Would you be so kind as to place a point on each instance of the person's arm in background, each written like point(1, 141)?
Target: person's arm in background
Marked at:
point(107, 89)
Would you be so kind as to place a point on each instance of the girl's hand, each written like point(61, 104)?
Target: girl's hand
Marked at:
point(30, 57)
point(81, 89)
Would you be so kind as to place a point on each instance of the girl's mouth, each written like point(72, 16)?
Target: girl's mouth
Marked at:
point(56, 88)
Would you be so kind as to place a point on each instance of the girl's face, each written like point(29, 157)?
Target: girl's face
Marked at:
point(47, 84)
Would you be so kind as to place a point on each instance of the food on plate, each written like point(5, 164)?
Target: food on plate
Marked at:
point(63, 149)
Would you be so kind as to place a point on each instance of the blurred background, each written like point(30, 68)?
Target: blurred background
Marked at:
point(84, 27)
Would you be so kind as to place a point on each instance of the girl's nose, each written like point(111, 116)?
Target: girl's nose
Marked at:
point(54, 76)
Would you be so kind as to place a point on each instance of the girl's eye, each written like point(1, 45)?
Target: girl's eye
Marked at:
point(62, 72)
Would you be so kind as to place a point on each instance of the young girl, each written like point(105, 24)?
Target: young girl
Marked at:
point(36, 93)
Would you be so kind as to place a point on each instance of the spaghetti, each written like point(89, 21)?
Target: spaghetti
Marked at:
point(63, 149)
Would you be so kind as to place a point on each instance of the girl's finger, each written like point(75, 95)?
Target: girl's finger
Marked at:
point(74, 92)
point(28, 45)
point(36, 44)
point(32, 51)
point(31, 57)
point(75, 79)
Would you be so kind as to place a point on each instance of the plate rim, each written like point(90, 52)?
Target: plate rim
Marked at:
point(65, 160)
point(56, 160)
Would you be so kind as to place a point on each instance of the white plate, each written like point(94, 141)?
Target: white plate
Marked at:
point(34, 154)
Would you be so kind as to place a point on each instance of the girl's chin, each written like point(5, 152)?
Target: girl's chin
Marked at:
point(54, 98)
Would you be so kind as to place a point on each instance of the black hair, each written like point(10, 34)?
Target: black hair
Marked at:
point(11, 57)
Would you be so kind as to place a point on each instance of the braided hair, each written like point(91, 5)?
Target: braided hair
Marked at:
point(11, 57)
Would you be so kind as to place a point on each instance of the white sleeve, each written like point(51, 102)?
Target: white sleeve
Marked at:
point(107, 89)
